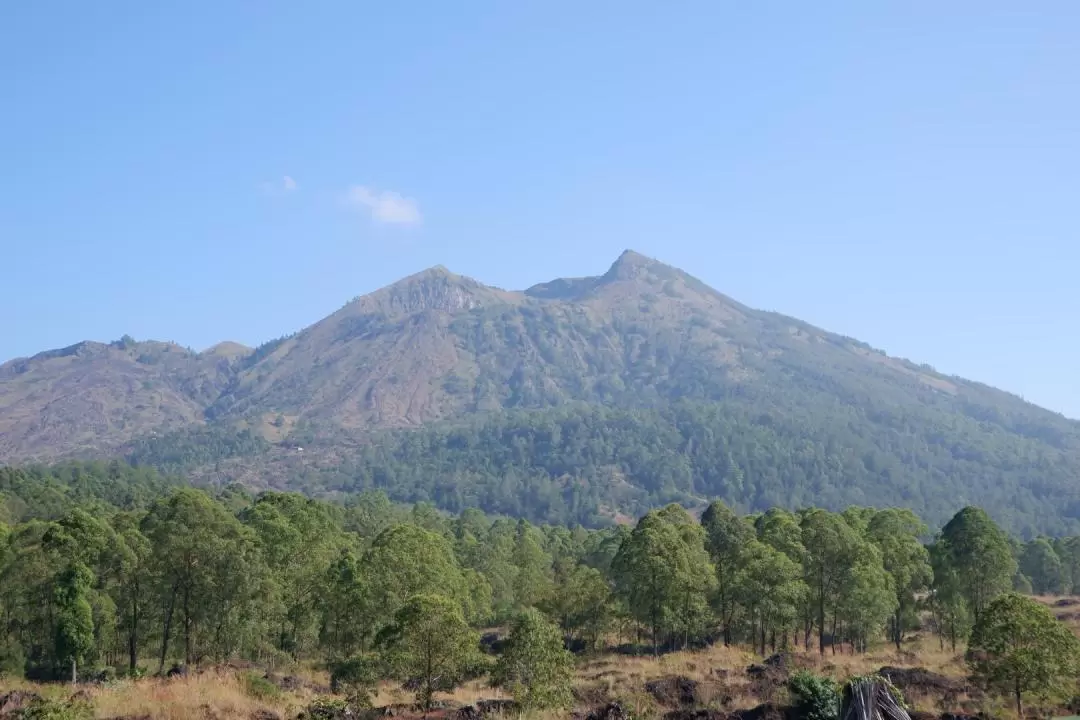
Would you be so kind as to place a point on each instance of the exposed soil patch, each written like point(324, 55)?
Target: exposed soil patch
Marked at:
point(16, 700)
point(674, 691)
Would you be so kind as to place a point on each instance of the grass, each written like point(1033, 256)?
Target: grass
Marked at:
point(720, 673)
point(220, 695)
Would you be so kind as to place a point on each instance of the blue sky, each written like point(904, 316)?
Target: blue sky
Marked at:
point(906, 173)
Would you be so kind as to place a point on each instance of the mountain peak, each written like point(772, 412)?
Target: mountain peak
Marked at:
point(436, 288)
point(630, 265)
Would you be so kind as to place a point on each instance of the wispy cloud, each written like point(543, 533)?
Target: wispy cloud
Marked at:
point(385, 206)
point(283, 186)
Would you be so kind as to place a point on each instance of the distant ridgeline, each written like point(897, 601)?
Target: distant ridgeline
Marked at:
point(581, 400)
point(586, 464)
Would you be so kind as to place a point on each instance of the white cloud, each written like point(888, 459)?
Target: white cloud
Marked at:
point(287, 184)
point(386, 206)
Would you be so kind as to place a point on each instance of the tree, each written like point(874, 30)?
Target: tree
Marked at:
point(769, 587)
point(298, 540)
point(533, 565)
point(207, 574)
point(896, 533)
point(978, 552)
point(663, 574)
point(1040, 562)
point(430, 645)
point(535, 666)
point(408, 560)
point(131, 553)
point(75, 618)
point(832, 546)
point(867, 598)
point(1018, 647)
point(345, 608)
point(581, 602)
point(946, 600)
point(726, 537)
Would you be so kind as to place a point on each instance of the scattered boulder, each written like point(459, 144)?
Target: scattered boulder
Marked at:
point(611, 711)
point(768, 711)
point(265, 715)
point(769, 677)
point(488, 708)
point(288, 683)
point(696, 715)
point(80, 696)
point(14, 701)
point(492, 643)
point(919, 679)
point(673, 691)
point(177, 671)
point(774, 666)
point(921, 715)
point(1067, 602)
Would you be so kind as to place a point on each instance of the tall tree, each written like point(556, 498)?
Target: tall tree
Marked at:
point(979, 553)
point(407, 560)
point(74, 616)
point(1018, 647)
point(896, 533)
point(663, 573)
point(429, 644)
point(770, 588)
point(535, 666)
point(832, 546)
point(1040, 562)
point(726, 539)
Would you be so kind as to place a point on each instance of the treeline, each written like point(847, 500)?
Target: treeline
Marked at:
point(190, 578)
point(567, 465)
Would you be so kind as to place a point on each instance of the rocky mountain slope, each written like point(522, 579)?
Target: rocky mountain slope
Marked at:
point(816, 416)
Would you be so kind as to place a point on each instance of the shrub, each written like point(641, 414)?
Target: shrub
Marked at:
point(355, 678)
point(327, 708)
point(258, 687)
point(12, 659)
point(815, 697)
point(43, 709)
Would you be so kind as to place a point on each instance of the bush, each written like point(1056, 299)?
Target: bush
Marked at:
point(355, 678)
point(258, 687)
point(815, 697)
point(42, 709)
point(327, 708)
point(12, 659)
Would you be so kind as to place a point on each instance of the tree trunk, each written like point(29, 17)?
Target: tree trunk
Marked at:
point(74, 673)
point(187, 628)
point(899, 627)
point(166, 630)
point(821, 613)
point(1019, 704)
point(133, 632)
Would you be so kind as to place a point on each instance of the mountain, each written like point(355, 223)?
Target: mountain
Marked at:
point(583, 399)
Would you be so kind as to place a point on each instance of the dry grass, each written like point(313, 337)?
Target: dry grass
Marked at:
point(468, 694)
point(720, 673)
point(220, 695)
point(216, 695)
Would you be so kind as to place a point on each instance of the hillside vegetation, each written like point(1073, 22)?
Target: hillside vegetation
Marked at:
point(132, 577)
point(577, 400)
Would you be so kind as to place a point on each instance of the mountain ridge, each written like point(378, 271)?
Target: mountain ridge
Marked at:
point(437, 347)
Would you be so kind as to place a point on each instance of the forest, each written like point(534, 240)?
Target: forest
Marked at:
point(109, 569)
